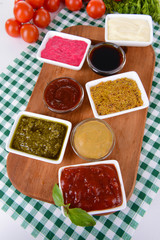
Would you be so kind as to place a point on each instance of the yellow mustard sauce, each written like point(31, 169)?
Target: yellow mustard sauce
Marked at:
point(115, 96)
point(93, 140)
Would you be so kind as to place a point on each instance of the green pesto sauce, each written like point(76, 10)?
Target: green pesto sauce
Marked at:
point(39, 137)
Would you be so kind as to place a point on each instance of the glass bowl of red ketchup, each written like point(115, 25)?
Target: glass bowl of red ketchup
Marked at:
point(63, 95)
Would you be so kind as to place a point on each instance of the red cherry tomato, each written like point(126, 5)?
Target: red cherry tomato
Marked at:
point(17, 1)
point(23, 11)
point(96, 8)
point(51, 5)
point(73, 5)
point(35, 3)
point(13, 27)
point(29, 33)
point(41, 18)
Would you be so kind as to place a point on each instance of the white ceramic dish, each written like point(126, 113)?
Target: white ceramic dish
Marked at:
point(131, 75)
point(105, 211)
point(39, 116)
point(51, 34)
point(130, 16)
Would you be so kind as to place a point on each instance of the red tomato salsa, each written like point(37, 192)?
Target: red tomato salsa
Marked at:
point(91, 188)
point(62, 94)
point(64, 50)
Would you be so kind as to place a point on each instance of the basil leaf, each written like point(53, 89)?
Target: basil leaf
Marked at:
point(57, 196)
point(77, 215)
point(80, 217)
point(66, 210)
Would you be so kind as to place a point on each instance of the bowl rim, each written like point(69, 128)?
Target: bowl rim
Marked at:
point(117, 166)
point(148, 18)
point(81, 123)
point(109, 72)
point(70, 109)
point(53, 33)
point(132, 75)
point(44, 117)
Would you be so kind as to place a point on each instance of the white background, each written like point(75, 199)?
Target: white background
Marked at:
point(10, 48)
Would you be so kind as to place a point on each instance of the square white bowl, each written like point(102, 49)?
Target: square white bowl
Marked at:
point(51, 34)
point(116, 165)
point(131, 75)
point(47, 118)
point(130, 16)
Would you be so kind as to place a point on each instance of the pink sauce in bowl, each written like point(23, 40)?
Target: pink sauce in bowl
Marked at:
point(64, 50)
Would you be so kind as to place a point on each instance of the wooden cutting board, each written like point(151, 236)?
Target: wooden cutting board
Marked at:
point(35, 178)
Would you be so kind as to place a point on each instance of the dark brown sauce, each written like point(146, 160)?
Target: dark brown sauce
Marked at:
point(106, 58)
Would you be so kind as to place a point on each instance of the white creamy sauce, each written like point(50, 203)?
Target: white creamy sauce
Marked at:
point(126, 29)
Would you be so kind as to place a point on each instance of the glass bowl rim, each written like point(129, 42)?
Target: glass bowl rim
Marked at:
point(110, 72)
point(87, 120)
point(70, 109)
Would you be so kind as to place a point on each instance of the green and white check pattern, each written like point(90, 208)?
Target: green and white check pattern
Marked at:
point(43, 220)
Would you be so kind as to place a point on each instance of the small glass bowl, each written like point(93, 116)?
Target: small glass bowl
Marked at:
point(60, 96)
point(91, 157)
point(106, 58)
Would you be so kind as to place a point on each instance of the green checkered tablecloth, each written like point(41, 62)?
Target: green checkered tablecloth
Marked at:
point(43, 220)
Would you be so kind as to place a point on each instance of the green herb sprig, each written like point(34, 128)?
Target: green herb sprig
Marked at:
point(77, 215)
point(148, 7)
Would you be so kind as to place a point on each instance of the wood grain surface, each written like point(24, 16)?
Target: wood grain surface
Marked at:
point(35, 178)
